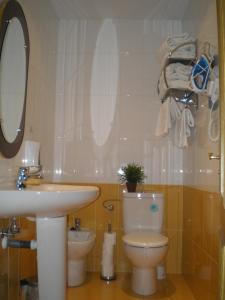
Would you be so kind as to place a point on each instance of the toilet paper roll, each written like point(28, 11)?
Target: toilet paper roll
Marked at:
point(107, 255)
point(110, 238)
point(30, 155)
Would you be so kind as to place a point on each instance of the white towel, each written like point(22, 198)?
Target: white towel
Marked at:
point(184, 52)
point(176, 40)
point(175, 110)
point(187, 51)
point(187, 121)
point(164, 119)
point(175, 84)
point(178, 71)
point(177, 77)
point(179, 84)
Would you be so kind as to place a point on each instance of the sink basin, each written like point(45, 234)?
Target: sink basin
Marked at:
point(49, 203)
point(45, 200)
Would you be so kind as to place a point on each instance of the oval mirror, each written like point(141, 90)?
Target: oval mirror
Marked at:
point(14, 56)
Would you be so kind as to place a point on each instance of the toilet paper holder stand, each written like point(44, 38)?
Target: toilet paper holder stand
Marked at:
point(108, 205)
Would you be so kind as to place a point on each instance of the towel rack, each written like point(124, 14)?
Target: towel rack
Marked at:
point(182, 95)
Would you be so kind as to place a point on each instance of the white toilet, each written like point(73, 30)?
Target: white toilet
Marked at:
point(144, 244)
point(80, 244)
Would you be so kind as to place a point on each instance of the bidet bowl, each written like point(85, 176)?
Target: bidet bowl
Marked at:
point(80, 243)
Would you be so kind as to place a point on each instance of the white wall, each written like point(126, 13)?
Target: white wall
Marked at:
point(42, 25)
point(198, 169)
point(92, 101)
point(106, 101)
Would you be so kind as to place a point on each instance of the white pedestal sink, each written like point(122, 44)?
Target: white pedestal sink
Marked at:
point(49, 203)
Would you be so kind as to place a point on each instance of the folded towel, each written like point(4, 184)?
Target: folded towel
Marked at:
point(173, 41)
point(177, 77)
point(179, 84)
point(178, 71)
point(186, 51)
point(164, 119)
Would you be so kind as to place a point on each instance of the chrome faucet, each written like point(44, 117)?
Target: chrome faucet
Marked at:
point(21, 178)
point(27, 172)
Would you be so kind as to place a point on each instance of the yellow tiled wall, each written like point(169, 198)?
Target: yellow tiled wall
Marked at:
point(96, 217)
point(16, 264)
point(9, 270)
point(202, 223)
point(4, 270)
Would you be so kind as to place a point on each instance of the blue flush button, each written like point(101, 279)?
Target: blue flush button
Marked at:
point(154, 208)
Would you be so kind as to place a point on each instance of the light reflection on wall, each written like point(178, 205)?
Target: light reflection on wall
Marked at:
point(104, 82)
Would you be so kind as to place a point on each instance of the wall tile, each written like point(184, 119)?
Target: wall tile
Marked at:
point(96, 218)
point(201, 241)
point(203, 211)
point(199, 170)
point(131, 130)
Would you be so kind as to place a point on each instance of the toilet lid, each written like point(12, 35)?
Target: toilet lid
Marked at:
point(145, 239)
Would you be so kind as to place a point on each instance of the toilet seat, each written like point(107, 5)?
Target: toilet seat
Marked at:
point(145, 239)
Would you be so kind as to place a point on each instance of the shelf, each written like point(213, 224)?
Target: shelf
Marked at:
point(184, 96)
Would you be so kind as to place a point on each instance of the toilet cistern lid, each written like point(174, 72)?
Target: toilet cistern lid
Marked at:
point(145, 239)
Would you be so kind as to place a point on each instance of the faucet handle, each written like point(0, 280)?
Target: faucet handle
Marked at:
point(77, 223)
point(22, 172)
point(14, 227)
point(21, 177)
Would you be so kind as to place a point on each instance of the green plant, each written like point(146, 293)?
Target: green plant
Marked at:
point(132, 173)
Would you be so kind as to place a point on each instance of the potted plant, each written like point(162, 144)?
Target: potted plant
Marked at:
point(132, 174)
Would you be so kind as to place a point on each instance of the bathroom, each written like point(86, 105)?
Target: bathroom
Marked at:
point(89, 124)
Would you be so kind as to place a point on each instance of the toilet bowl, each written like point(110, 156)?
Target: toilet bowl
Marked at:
point(144, 244)
point(145, 250)
point(80, 243)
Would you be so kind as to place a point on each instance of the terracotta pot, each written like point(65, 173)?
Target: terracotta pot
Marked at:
point(131, 187)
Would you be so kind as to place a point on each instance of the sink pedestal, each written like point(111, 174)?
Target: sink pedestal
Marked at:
point(51, 257)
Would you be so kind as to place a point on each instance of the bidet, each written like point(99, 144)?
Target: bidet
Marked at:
point(80, 243)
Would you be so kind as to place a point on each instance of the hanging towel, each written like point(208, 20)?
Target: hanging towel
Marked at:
point(175, 110)
point(164, 119)
point(187, 121)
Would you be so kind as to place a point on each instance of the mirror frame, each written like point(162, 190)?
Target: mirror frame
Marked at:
point(11, 9)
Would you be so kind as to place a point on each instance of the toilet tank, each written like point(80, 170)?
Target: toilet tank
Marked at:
point(143, 211)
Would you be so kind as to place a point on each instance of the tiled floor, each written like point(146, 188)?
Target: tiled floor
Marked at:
point(173, 288)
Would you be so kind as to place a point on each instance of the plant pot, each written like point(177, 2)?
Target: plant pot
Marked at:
point(131, 187)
